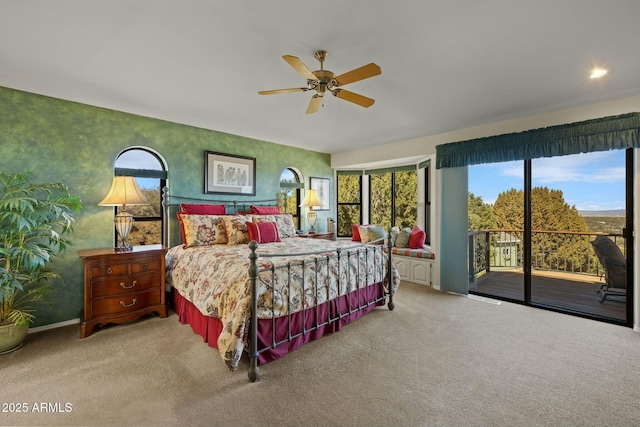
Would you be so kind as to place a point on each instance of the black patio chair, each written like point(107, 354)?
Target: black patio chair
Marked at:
point(615, 267)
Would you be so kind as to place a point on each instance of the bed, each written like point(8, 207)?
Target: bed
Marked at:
point(246, 283)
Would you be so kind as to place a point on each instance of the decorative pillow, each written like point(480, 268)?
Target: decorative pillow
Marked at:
point(403, 238)
point(395, 230)
point(363, 230)
point(202, 230)
point(417, 239)
point(204, 209)
point(284, 221)
point(236, 228)
point(376, 232)
point(263, 232)
point(355, 231)
point(265, 210)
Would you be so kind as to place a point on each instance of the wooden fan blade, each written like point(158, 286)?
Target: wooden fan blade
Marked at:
point(354, 97)
point(293, 89)
point(361, 73)
point(314, 104)
point(299, 67)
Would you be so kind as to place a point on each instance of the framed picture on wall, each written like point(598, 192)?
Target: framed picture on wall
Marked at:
point(321, 185)
point(229, 174)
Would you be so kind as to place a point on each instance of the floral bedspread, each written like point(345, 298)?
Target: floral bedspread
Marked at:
point(215, 279)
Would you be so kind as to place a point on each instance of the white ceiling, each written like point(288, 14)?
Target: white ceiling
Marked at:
point(446, 64)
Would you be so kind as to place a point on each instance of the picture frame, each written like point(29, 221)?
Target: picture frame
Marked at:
point(321, 185)
point(229, 174)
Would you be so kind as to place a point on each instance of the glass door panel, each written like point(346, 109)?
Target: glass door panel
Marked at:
point(496, 225)
point(575, 199)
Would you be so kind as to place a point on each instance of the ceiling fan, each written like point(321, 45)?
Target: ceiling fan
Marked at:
point(323, 81)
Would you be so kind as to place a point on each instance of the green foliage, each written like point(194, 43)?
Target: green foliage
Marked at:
point(481, 215)
point(381, 200)
point(34, 222)
point(550, 217)
point(406, 199)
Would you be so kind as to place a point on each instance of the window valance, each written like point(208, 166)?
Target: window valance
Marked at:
point(608, 133)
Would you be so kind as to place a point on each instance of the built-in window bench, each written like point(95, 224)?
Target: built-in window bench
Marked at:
point(414, 265)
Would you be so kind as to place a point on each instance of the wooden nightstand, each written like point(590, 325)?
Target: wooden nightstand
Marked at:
point(316, 235)
point(122, 286)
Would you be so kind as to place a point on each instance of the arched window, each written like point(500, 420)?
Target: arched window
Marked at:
point(289, 194)
point(151, 176)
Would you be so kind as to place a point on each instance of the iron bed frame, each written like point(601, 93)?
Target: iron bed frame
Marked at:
point(319, 257)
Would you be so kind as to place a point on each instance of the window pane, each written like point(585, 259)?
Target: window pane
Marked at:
point(150, 187)
point(145, 233)
point(406, 198)
point(347, 215)
point(349, 189)
point(288, 197)
point(349, 203)
point(381, 200)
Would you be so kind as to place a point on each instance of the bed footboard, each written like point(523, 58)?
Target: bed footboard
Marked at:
point(322, 318)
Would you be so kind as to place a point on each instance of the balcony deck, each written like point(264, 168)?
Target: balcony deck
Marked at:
point(570, 291)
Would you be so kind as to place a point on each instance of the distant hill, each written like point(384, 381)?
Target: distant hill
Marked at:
point(613, 212)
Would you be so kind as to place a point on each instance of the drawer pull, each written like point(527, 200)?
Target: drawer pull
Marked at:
point(109, 270)
point(128, 305)
point(135, 282)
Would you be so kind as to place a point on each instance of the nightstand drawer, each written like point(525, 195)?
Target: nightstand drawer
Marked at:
point(109, 269)
point(144, 265)
point(123, 285)
point(125, 303)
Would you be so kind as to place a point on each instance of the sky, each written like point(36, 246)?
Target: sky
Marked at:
point(593, 181)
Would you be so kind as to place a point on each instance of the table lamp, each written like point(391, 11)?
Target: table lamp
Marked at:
point(311, 199)
point(124, 191)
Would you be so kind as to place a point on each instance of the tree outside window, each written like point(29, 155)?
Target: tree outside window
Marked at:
point(394, 199)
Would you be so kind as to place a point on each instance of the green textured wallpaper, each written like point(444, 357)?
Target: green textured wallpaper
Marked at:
point(77, 144)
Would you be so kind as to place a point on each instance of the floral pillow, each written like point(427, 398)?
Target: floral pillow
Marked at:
point(284, 222)
point(200, 230)
point(236, 227)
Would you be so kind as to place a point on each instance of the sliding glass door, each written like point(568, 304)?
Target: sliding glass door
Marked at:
point(554, 223)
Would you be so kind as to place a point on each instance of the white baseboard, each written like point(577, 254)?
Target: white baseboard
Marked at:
point(54, 325)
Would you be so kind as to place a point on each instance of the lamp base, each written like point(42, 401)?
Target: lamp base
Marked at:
point(124, 247)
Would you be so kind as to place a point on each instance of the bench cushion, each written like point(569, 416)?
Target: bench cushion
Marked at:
point(415, 253)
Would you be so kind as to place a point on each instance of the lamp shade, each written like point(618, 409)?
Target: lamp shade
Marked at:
point(124, 191)
point(311, 199)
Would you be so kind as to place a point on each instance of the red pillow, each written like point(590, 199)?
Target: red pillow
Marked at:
point(263, 232)
point(265, 210)
point(204, 209)
point(417, 238)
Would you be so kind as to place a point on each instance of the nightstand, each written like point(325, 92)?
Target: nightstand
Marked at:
point(122, 286)
point(316, 235)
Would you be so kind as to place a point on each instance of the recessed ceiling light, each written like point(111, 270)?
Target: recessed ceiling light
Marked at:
point(596, 73)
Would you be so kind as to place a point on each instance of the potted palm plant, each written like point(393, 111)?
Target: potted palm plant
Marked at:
point(35, 221)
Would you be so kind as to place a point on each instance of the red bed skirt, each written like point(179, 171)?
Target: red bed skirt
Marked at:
point(349, 307)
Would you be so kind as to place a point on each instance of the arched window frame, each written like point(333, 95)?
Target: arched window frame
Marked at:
point(145, 173)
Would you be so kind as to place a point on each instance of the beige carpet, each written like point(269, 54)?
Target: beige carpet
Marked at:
point(437, 359)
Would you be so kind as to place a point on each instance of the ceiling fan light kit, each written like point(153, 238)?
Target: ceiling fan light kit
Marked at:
point(323, 81)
